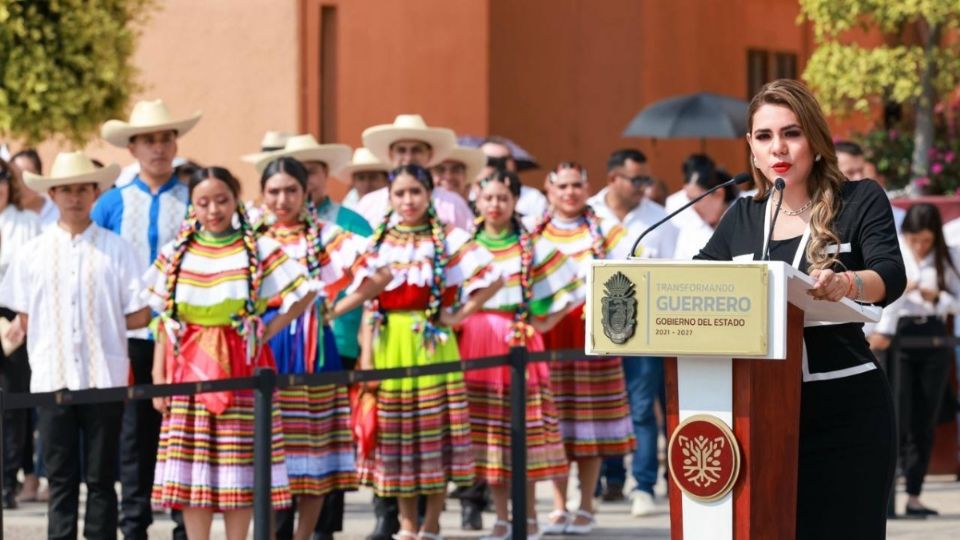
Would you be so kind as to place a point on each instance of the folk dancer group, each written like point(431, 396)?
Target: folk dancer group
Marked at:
point(164, 279)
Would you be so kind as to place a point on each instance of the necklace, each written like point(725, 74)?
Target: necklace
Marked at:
point(798, 211)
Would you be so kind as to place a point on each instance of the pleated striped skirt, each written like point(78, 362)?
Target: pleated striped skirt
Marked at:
point(591, 396)
point(423, 423)
point(486, 334)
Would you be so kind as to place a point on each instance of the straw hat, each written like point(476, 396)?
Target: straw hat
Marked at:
point(409, 127)
point(147, 117)
point(274, 140)
point(305, 148)
point(363, 160)
point(473, 158)
point(72, 168)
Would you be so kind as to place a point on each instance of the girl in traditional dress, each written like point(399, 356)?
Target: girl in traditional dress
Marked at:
point(423, 438)
point(210, 286)
point(541, 286)
point(590, 394)
point(316, 419)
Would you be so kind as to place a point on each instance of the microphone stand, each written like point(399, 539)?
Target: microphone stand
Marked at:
point(778, 186)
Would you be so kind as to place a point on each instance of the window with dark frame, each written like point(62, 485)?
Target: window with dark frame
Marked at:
point(764, 66)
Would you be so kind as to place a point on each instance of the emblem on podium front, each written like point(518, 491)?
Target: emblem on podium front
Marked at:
point(704, 458)
point(618, 308)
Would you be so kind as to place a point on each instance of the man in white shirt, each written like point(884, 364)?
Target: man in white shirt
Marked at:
point(695, 165)
point(76, 291)
point(410, 141)
point(628, 174)
point(622, 200)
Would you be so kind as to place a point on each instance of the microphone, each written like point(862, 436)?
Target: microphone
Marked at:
point(778, 186)
point(741, 178)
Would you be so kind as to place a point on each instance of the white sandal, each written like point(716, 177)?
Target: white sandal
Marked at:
point(506, 536)
point(558, 527)
point(403, 535)
point(573, 528)
point(424, 535)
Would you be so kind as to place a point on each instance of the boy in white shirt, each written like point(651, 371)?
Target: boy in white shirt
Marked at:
point(76, 290)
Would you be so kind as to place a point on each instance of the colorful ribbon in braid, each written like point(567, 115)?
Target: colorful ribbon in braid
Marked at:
point(313, 228)
point(247, 322)
point(596, 232)
point(433, 333)
point(168, 317)
point(521, 328)
point(376, 317)
point(313, 234)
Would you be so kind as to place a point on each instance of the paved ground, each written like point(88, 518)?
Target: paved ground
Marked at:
point(943, 493)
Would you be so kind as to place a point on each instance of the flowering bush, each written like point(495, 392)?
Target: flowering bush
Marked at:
point(891, 151)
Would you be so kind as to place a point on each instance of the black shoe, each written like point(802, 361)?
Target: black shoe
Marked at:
point(613, 493)
point(10, 500)
point(921, 512)
point(388, 520)
point(471, 515)
point(322, 536)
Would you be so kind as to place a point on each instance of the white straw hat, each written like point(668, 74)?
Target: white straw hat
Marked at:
point(305, 148)
point(472, 158)
point(409, 127)
point(363, 160)
point(72, 168)
point(146, 117)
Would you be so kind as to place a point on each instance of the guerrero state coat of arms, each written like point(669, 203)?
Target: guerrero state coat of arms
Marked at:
point(619, 308)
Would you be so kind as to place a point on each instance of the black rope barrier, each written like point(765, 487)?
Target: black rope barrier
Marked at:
point(266, 381)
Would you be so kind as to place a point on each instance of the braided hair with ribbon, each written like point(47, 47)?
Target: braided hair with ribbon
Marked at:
point(309, 217)
point(430, 327)
point(168, 317)
point(521, 328)
point(247, 323)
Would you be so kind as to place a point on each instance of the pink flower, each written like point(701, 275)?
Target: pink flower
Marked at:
point(932, 153)
point(948, 157)
point(923, 181)
point(936, 168)
point(892, 134)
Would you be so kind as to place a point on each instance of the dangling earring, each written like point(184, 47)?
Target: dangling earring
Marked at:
point(755, 162)
point(817, 158)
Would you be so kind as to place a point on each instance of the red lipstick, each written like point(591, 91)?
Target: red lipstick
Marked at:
point(781, 167)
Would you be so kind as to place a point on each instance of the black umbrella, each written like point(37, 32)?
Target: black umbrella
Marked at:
point(695, 116)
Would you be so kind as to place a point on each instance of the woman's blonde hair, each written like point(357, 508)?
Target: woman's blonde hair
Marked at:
point(825, 180)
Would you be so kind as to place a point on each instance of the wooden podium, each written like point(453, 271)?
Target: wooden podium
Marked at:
point(733, 336)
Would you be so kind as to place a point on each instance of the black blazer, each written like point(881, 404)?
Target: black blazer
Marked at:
point(868, 241)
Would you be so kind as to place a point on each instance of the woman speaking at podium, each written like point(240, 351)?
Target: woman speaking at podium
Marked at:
point(842, 234)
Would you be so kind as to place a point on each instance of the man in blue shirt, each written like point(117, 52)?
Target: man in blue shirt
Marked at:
point(147, 212)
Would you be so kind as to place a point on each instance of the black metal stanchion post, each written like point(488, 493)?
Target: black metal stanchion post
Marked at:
point(519, 357)
point(263, 452)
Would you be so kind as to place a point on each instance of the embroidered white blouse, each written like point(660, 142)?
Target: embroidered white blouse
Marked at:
point(76, 291)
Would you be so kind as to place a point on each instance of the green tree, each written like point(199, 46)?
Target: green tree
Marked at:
point(65, 65)
point(916, 64)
